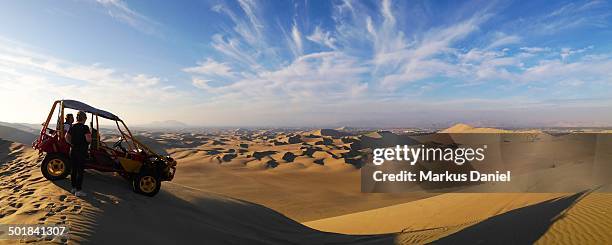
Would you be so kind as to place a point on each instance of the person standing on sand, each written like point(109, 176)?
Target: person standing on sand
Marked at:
point(68, 122)
point(79, 138)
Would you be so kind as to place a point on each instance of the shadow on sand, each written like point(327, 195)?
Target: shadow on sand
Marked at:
point(182, 215)
point(519, 226)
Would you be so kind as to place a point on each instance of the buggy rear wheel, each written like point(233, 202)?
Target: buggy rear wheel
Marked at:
point(55, 167)
point(146, 183)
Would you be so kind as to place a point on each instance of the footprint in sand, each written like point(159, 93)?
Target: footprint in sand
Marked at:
point(49, 206)
point(76, 209)
point(25, 176)
point(36, 179)
point(30, 240)
point(59, 240)
point(27, 193)
point(30, 212)
point(61, 208)
point(16, 204)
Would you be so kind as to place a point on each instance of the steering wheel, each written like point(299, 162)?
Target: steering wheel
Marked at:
point(118, 145)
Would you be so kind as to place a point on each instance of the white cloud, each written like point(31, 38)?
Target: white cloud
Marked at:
point(296, 37)
point(584, 70)
point(534, 49)
point(246, 43)
point(320, 75)
point(572, 83)
point(202, 84)
point(571, 15)
point(322, 38)
point(388, 40)
point(566, 52)
point(419, 60)
point(249, 7)
point(31, 74)
point(250, 29)
point(120, 11)
point(211, 67)
point(372, 59)
point(144, 80)
point(231, 47)
point(502, 39)
point(386, 12)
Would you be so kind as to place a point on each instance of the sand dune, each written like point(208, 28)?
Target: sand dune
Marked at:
point(26, 127)
point(440, 211)
point(490, 218)
point(464, 128)
point(257, 187)
point(302, 189)
point(16, 135)
point(182, 214)
point(330, 132)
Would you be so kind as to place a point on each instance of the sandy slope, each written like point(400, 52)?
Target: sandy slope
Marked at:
point(457, 217)
point(444, 210)
point(588, 222)
point(16, 135)
point(303, 194)
point(316, 182)
point(25, 196)
point(177, 215)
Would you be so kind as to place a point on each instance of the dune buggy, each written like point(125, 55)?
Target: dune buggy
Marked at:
point(127, 156)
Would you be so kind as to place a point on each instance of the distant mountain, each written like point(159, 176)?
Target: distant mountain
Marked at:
point(27, 127)
point(17, 135)
point(169, 124)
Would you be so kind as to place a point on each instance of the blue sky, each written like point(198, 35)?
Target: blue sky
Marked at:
point(312, 63)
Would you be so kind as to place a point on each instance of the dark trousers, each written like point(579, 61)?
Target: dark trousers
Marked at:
point(77, 159)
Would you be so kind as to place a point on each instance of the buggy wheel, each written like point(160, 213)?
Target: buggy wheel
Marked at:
point(146, 183)
point(55, 167)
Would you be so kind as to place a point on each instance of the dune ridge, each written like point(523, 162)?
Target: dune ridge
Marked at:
point(545, 218)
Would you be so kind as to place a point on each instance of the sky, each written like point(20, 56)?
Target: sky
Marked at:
point(311, 63)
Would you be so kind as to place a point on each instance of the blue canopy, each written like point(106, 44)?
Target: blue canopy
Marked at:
point(77, 105)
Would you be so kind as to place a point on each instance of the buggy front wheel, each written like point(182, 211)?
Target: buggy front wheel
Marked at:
point(146, 183)
point(55, 167)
